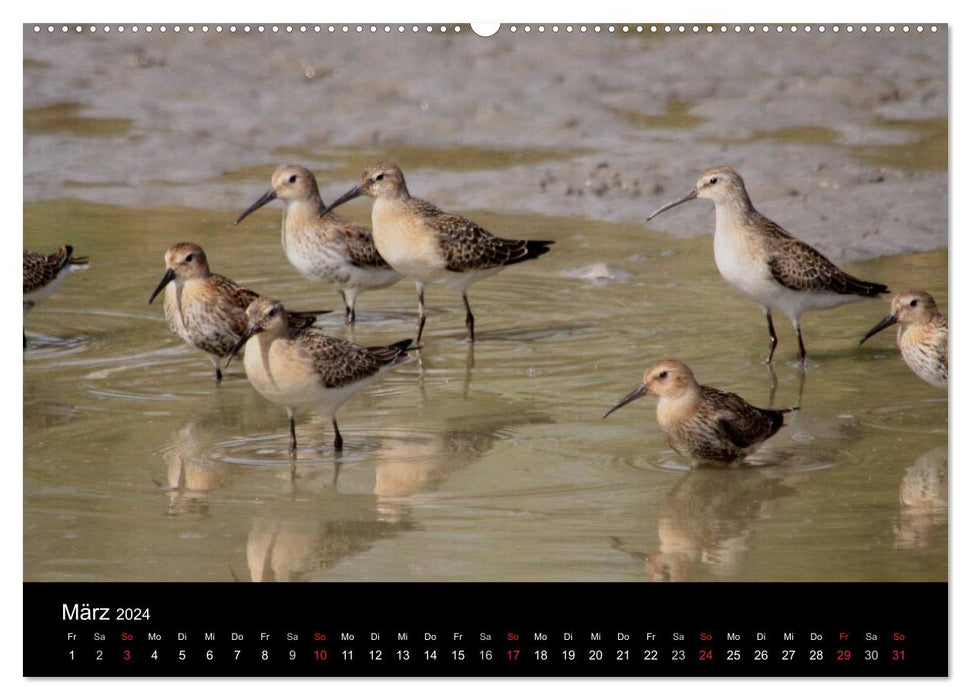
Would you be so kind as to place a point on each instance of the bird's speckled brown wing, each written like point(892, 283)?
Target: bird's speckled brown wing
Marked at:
point(40, 270)
point(359, 244)
point(232, 293)
point(741, 423)
point(467, 246)
point(339, 362)
point(214, 320)
point(800, 267)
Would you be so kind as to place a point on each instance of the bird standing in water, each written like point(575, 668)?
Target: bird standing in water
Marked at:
point(421, 241)
point(44, 273)
point(922, 336)
point(206, 310)
point(305, 368)
point(324, 248)
point(761, 259)
point(700, 422)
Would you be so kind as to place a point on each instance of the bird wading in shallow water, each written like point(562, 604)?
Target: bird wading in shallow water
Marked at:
point(701, 423)
point(422, 242)
point(761, 259)
point(44, 273)
point(324, 248)
point(922, 336)
point(206, 310)
point(304, 368)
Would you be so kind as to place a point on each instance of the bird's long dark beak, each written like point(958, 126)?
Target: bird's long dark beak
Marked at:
point(352, 193)
point(266, 198)
point(687, 197)
point(166, 278)
point(247, 334)
point(888, 321)
point(636, 394)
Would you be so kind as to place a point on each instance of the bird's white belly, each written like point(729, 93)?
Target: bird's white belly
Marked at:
point(318, 260)
point(285, 375)
point(43, 292)
point(746, 268)
point(741, 268)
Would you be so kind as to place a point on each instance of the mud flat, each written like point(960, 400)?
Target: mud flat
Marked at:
point(842, 138)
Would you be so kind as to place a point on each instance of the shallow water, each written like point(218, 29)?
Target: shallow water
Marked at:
point(485, 465)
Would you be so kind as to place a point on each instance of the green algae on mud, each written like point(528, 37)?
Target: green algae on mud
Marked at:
point(926, 151)
point(65, 117)
point(676, 115)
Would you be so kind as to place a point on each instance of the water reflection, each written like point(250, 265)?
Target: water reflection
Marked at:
point(106, 413)
point(301, 548)
point(192, 471)
point(923, 501)
point(709, 518)
point(408, 465)
point(774, 384)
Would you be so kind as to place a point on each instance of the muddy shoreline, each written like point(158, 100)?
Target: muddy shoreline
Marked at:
point(841, 138)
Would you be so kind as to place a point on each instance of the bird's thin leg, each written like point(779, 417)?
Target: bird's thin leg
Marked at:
point(773, 340)
point(338, 440)
point(293, 431)
point(421, 310)
point(802, 348)
point(469, 318)
point(348, 308)
point(215, 364)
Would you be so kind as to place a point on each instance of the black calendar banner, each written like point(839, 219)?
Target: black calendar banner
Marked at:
point(478, 629)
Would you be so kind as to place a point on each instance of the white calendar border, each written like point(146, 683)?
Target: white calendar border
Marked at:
point(819, 12)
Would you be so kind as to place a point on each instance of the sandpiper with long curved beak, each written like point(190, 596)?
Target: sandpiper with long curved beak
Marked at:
point(324, 248)
point(421, 241)
point(206, 310)
point(761, 259)
point(702, 423)
point(921, 337)
point(304, 368)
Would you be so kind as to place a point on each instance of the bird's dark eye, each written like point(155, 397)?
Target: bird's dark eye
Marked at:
point(663, 374)
point(293, 178)
point(913, 302)
point(712, 180)
point(379, 177)
point(190, 257)
point(273, 311)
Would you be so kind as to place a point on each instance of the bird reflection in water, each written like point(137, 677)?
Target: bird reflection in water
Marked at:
point(923, 501)
point(192, 472)
point(709, 517)
point(346, 521)
point(300, 549)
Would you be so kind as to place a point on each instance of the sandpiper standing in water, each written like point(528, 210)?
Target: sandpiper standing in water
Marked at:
point(922, 336)
point(429, 245)
point(702, 423)
point(324, 248)
point(206, 310)
point(44, 273)
point(758, 257)
point(306, 368)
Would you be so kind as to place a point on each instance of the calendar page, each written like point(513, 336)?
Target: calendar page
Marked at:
point(590, 349)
